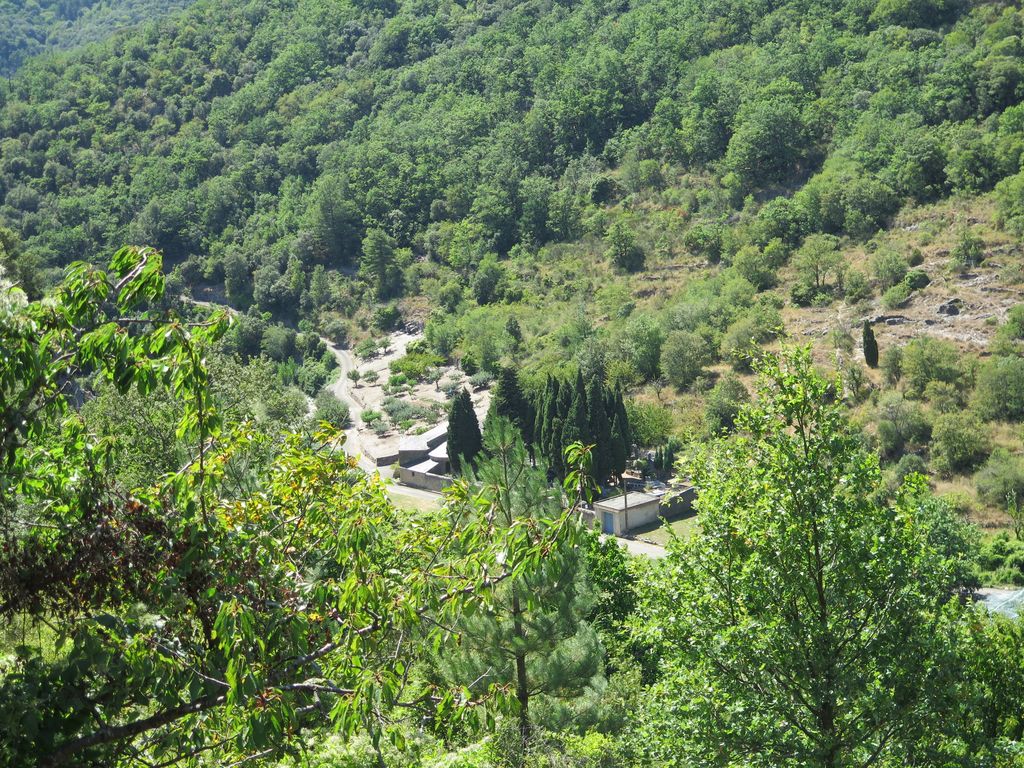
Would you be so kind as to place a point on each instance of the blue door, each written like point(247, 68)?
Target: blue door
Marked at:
point(608, 523)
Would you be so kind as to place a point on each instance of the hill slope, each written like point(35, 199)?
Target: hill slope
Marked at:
point(36, 27)
point(615, 186)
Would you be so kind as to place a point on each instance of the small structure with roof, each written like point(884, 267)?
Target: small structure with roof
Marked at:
point(618, 515)
point(423, 460)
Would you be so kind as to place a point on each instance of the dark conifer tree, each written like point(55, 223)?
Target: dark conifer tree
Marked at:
point(464, 439)
point(620, 412)
point(509, 401)
point(870, 346)
point(565, 396)
point(554, 448)
point(600, 431)
point(618, 452)
point(540, 421)
point(577, 417)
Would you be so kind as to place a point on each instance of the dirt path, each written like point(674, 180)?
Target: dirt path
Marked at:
point(342, 389)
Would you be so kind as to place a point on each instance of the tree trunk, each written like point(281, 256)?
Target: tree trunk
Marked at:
point(522, 682)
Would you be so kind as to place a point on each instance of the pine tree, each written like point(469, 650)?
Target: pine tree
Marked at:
point(533, 637)
point(464, 440)
point(870, 346)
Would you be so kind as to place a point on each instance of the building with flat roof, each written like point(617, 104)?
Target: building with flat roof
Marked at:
point(618, 515)
point(423, 460)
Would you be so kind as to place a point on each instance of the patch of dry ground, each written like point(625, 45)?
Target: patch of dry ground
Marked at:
point(370, 396)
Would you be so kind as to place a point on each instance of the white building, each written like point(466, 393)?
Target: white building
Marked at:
point(618, 515)
point(423, 460)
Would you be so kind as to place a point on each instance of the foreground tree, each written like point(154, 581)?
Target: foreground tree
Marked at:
point(805, 616)
point(197, 617)
point(532, 638)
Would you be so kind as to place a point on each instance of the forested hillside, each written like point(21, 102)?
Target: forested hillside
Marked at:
point(37, 26)
point(653, 189)
point(769, 252)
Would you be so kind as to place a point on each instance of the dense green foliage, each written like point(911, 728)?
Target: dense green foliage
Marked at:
point(232, 602)
point(809, 622)
point(38, 26)
point(612, 215)
point(254, 142)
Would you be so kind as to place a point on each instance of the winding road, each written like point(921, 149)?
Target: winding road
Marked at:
point(341, 389)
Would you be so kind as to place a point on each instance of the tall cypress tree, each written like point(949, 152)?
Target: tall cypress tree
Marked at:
point(464, 439)
point(551, 433)
point(540, 410)
point(509, 402)
point(565, 396)
point(577, 424)
point(620, 412)
point(600, 431)
point(618, 451)
point(554, 447)
point(870, 345)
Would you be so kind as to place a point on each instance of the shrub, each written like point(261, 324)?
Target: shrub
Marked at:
point(683, 355)
point(450, 386)
point(889, 268)
point(1010, 203)
point(1003, 560)
point(386, 317)
point(909, 464)
point(369, 416)
point(722, 404)
point(927, 359)
point(415, 365)
point(968, 251)
point(649, 423)
point(916, 279)
point(278, 343)
point(367, 348)
point(897, 296)
point(331, 409)
point(336, 330)
point(901, 424)
point(959, 443)
point(856, 286)
point(1002, 474)
point(402, 411)
point(480, 379)
point(999, 392)
point(740, 343)
point(754, 266)
point(892, 365)
point(944, 397)
point(311, 376)
point(704, 238)
point(623, 249)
